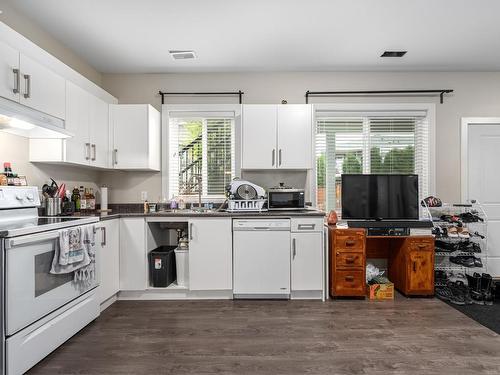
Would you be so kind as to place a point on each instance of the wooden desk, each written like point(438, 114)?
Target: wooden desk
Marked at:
point(410, 262)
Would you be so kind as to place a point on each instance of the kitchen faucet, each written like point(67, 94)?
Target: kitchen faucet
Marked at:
point(199, 180)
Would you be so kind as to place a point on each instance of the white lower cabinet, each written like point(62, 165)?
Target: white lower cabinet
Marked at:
point(307, 255)
point(210, 254)
point(133, 257)
point(108, 241)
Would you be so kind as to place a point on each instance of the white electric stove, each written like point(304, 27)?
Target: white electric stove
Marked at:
point(40, 310)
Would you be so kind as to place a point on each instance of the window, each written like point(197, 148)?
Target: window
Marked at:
point(378, 143)
point(201, 152)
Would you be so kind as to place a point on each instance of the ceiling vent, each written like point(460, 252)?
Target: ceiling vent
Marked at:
point(182, 55)
point(393, 54)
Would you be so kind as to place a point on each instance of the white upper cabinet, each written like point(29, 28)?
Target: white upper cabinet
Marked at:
point(77, 122)
point(135, 137)
point(259, 136)
point(10, 78)
point(294, 136)
point(99, 132)
point(277, 136)
point(41, 88)
point(87, 118)
point(26, 81)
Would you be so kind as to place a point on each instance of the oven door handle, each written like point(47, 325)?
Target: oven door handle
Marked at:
point(26, 240)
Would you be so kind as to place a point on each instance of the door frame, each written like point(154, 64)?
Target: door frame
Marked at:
point(464, 151)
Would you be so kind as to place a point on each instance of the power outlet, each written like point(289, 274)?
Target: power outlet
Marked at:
point(144, 196)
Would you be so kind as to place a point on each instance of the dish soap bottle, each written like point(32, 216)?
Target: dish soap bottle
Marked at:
point(173, 203)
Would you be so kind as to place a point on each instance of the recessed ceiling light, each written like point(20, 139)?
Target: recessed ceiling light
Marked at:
point(182, 54)
point(393, 54)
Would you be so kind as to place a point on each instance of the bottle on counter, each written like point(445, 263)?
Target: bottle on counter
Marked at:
point(83, 200)
point(75, 198)
point(173, 203)
point(91, 201)
point(146, 207)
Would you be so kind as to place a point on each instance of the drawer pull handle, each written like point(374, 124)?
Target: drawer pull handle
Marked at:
point(421, 245)
point(306, 226)
point(349, 259)
point(349, 278)
point(350, 243)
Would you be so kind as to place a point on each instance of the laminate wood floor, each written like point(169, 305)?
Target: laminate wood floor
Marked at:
point(405, 336)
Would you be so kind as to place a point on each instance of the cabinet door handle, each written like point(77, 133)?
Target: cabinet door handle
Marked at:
point(115, 156)
point(294, 248)
point(349, 278)
point(27, 82)
point(190, 231)
point(273, 158)
point(306, 226)
point(279, 153)
point(104, 240)
point(93, 152)
point(414, 266)
point(87, 151)
point(17, 81)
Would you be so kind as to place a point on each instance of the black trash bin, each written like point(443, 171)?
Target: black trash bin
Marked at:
point(162, 266)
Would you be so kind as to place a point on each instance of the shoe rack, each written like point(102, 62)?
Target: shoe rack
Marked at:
point(450, 218)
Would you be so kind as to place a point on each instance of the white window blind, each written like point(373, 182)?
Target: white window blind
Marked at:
point(369, 144)
point(200, 147)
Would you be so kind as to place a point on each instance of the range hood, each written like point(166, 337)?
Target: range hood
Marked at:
point(20, 120)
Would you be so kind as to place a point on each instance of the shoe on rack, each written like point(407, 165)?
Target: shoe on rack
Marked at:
point(457, 294)
point(470, 217)
point(474, 282)
point(477, 234)
point(486, 286)
point(463, 260)
point(463, 232)
point(445, 246)
point(478, 262)
point(440, 277)
point(453, 232)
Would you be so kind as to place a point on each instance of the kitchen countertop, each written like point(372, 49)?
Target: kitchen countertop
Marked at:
point(189, 213)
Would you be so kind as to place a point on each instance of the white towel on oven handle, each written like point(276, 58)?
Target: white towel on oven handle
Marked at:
point(57, 267)
point(86, 274)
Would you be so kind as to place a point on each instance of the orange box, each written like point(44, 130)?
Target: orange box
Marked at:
point(380, 291)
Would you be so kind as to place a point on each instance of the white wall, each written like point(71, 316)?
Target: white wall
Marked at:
point(476, 94)
point(15, 149)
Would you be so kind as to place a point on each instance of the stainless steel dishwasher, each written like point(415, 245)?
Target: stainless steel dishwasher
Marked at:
point(261, 258)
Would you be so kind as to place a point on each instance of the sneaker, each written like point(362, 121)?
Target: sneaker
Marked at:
point(464, 260)
point(457, 294)
point(470, 217)
point(444, 293)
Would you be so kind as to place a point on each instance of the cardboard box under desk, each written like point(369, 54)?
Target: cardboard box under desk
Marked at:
point(380, 291)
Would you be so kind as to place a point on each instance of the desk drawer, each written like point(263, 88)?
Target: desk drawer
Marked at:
point(420, 244)
point(349, 283)
point(347, 259)
point(349, 242)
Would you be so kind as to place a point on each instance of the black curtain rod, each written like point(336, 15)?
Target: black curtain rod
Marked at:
point(163, 94)
point(377, 92)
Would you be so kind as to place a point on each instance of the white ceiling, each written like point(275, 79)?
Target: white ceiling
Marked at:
point(131, 36)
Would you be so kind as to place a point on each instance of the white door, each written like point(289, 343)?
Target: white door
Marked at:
point(259, 124)
point(77, 122)
point(307, 261)
point(130, 136)
point(99, 132)
point(482, 179)
point(10, 79)
point(109, 240)
point(133, 257)
point(210, 254)
point(41, 88)
point(294, 136)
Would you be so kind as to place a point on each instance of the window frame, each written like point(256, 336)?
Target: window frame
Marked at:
point(168, 111)
point(371, 109)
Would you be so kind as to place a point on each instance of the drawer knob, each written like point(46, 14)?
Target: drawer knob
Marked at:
point(349, 278)
point(349, 259)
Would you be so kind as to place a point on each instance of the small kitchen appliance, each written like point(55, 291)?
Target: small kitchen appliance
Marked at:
point(245, 196)
point(284, 197)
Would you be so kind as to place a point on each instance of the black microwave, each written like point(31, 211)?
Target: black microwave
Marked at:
point(285, 199)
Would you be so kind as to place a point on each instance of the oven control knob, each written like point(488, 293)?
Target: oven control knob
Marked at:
point(30, 197)
point(19, 197)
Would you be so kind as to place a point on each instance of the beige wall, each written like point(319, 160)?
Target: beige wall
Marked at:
point(476, 94)
point(32, 31)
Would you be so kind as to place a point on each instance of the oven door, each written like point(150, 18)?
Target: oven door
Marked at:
point(286, 200)
point(31, 290)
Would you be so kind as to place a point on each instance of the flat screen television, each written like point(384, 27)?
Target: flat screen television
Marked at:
point(380, 197)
